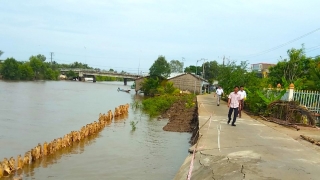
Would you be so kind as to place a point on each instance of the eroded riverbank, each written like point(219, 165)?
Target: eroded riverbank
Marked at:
point(183, 118)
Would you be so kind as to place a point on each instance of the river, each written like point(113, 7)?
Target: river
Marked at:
point(35, 112)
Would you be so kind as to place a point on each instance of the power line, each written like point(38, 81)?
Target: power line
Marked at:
point(313, 48)
point(284, 44)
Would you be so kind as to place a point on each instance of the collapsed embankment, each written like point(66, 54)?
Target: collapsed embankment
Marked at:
point(183, 118)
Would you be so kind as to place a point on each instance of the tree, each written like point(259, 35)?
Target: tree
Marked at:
point(160, 68)
point(79, 65)
point(111, 70)
point(192, 69)
point(1, 52)
point(26, 71)
point(41, 57)
point(211, 70)
point(71, 74)
point(296, 65)
point(292, 69)
point(276, 73)
point(150, 86)
point(50, 74)
point(176, 66)
point(10, 69)
point(231, 75)
point(312, 81)
point(37, 66)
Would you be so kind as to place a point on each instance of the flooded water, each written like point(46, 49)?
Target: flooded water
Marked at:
point(35, 112)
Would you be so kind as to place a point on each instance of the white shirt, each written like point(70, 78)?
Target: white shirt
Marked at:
point(219, 92)
point(243, 94)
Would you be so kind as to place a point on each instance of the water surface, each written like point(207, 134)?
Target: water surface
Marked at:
point(35, 112)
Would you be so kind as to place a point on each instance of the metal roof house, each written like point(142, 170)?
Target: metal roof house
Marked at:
point(188, 81)
point(138, 83)
point(182, 81)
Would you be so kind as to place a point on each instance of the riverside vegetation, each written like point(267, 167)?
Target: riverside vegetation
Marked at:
point(37, 68)
point(297, 68)
point(164, 101)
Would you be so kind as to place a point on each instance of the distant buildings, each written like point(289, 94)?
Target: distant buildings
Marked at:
point(262, 69)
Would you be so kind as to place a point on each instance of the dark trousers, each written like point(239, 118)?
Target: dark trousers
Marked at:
point(235, 114)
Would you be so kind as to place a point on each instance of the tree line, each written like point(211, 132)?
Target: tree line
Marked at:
point(298, 68)
point(36, 68)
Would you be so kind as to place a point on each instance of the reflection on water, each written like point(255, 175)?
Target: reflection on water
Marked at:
point(35, 112)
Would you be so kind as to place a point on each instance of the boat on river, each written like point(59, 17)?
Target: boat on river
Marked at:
point(124, 90)
point(133, 86)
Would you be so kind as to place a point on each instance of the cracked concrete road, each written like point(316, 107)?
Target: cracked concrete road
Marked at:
point(251, 150)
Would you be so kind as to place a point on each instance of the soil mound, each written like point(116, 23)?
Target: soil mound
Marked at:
point(182, 119)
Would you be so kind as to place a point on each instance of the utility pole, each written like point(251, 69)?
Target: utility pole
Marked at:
point(204, 61)
point(183, 64)
point(139, 63)
point(51, 54)
point(223, 60)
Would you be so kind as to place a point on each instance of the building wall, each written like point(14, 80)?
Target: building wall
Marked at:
point(266, 66)
point(261, 66)
point(187, 82)
point(138, 83)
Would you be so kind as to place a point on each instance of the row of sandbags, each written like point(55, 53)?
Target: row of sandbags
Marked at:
point(9, 166)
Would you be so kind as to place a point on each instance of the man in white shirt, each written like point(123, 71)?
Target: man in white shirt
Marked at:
point(234, 105)
point(243, 94)
point(219, 93)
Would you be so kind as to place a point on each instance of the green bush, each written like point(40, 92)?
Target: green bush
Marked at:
point(159, 104)
point(156, 105)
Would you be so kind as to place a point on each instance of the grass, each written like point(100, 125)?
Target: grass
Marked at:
point(156, 105)
point(133, 125)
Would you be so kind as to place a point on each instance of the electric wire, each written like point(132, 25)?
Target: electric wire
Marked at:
point(282, 45)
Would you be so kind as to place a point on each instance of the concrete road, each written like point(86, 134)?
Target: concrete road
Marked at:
point(251, 150)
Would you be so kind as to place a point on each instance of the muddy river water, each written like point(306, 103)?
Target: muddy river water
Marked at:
point(35, 112)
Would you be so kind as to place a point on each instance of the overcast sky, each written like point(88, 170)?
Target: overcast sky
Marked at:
point(119, 34)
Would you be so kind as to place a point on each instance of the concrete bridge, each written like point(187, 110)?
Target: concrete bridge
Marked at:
point(82, 73)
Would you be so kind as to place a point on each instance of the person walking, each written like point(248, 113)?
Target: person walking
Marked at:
point(243, 94)
point(219, 93)
point(234, 105)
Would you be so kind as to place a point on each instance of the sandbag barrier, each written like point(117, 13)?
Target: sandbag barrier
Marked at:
point(10, 166)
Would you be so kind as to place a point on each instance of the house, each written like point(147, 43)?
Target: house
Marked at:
point(182, 81)
point(190, 82)
point(262, 69)
point(138, 83)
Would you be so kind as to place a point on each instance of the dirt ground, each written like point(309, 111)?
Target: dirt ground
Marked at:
point(181, 118)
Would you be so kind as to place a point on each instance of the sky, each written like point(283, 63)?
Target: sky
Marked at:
point(129, 35)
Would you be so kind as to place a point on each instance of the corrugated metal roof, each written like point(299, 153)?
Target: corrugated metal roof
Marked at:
point(181, 74)
point(172, 75)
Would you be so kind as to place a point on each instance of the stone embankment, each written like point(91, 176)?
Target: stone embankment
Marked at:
point(251, 150)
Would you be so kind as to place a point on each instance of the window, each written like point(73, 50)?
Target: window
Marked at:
point(256, 67)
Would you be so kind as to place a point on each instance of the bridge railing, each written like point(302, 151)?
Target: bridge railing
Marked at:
point(99, 72)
